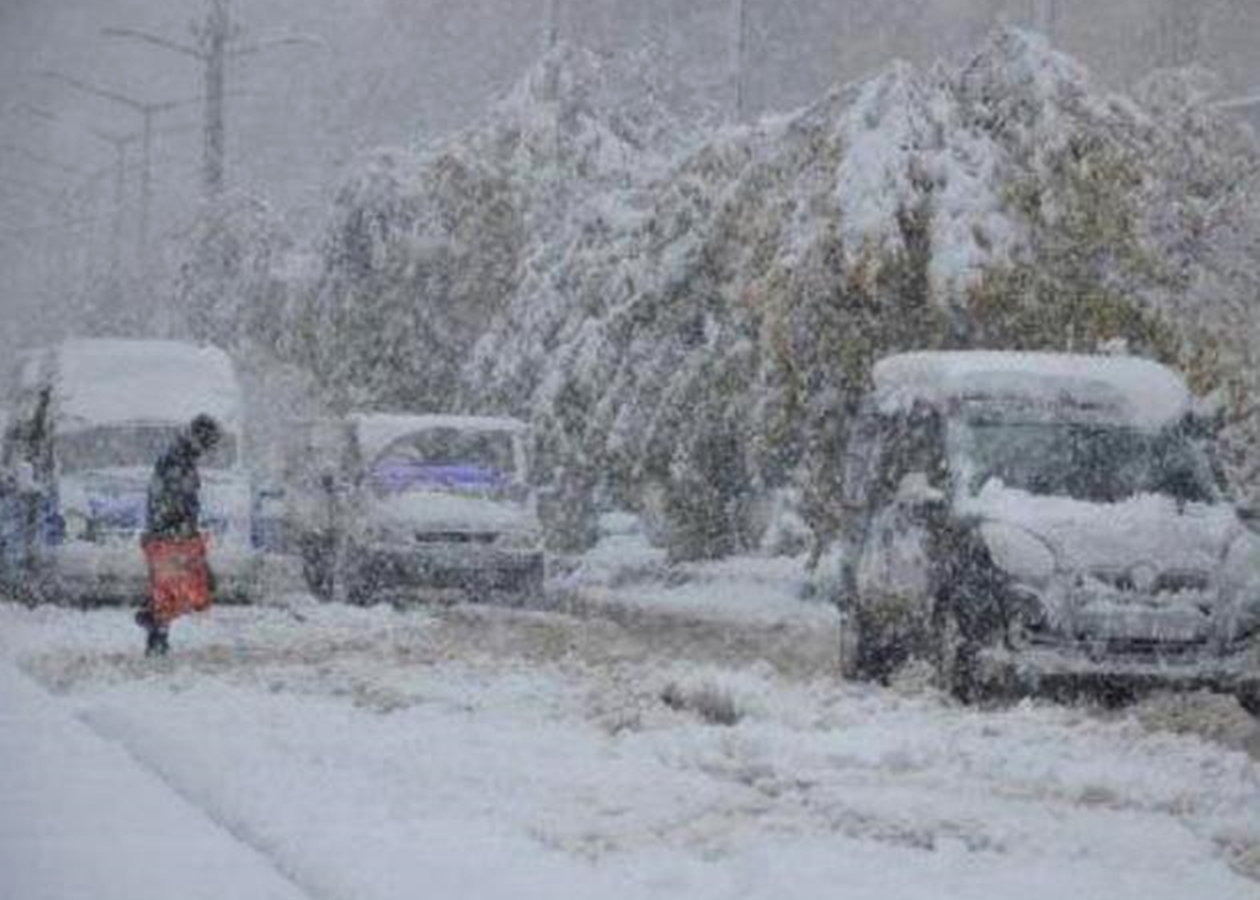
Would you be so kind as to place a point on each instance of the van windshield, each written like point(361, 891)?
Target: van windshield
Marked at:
point(447, 459)
point(1090, 462)
point(130, 446)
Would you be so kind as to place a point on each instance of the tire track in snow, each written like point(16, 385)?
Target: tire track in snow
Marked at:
point(111, 728)
point(614, 655)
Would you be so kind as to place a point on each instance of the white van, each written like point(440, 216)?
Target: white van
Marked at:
point(89, 419)
point(1045, 523)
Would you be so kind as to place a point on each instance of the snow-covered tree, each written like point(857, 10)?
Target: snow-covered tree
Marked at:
point(688, 315)
point(732, 308)
point(229, 289)
point(428, 247)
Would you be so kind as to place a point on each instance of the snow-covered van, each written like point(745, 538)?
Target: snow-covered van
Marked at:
point(386, 504)
point(88, 421)
point(1044, 523)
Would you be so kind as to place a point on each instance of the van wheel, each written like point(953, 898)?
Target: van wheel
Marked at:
point(954, 656)
point(878, 647)
point(319, 566)
point(354, 582)
point(1249, 699)
point(532, 583)
point(477, 589)
point(317, 574)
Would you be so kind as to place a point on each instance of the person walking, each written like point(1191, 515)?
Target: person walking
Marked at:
point(180, 580)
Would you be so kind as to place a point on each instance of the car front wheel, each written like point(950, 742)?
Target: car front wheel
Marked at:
point(954, 655)
point(1249, 699)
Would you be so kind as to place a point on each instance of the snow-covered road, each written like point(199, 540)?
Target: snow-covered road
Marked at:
point(493, 753)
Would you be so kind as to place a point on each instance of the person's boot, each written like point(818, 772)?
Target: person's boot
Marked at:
point(157, 644)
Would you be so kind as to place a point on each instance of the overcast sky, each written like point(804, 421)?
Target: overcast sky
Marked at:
point(399, 71)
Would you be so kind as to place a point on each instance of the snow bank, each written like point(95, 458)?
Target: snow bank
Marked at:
point(82, 818)
point(374, 754)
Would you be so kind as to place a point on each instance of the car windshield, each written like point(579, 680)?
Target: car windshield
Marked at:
point(446, 458)
point(130, 446)
point(1091, 462)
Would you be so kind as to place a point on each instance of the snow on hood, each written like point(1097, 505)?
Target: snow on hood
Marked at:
point(437, 511)
point(1144, 530)
point(102, 382)
point(1143, 393)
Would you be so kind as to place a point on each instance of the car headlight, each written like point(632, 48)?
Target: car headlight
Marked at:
point(1019, 553)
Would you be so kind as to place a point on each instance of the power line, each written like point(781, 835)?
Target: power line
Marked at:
point(38, 159)
point(216, 41)
point(147, 110)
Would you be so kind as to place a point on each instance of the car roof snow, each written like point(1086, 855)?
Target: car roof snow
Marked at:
point(118, 381)
point(1135, 391)
point(376, 431)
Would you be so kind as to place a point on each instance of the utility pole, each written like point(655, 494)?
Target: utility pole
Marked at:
point(739, 50)
point(120, 143)
point(216, 41)
point(1179, 33)
point(551, 65)
point(147, 110)
point(213, 37)
point(553, 24)
point(1045, 17)
point(38, 159)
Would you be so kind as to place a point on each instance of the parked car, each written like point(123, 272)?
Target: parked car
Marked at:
point(383, 505)
point(1044, 523)
point(89, 419)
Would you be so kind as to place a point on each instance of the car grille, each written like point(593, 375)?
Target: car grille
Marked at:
point(455, 537)
point(1129, 581)
point(1142, 650)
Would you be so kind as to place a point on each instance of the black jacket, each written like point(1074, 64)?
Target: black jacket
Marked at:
point(174, 501)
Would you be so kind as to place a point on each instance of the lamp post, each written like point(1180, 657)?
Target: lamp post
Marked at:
point(216, 42)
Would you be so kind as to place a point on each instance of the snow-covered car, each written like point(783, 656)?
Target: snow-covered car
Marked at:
point(89, 419)
point(385, 505)
point(1044, 523)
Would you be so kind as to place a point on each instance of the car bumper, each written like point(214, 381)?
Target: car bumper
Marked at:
point(1070, 674)
point(439, 566)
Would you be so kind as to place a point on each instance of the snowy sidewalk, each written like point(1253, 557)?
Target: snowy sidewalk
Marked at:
point(80, 818)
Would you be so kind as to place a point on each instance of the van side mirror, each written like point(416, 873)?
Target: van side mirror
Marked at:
point(1206, 418)
point(916, 489)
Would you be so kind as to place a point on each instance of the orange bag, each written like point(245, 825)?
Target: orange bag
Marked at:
point(179, 576)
